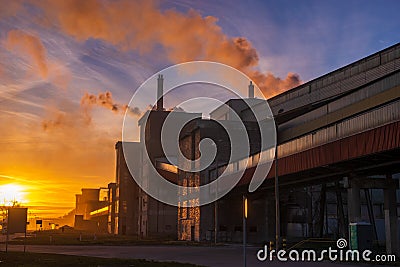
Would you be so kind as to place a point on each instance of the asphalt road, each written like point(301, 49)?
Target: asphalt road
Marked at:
point(224, 256)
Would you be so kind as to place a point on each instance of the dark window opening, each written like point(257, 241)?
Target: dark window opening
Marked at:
point(238, 228)
point(253, 229)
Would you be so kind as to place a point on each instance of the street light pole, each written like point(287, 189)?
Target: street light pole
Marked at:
point(216, 214)
point(244, 229)
point(277, 211)
point(216, 206)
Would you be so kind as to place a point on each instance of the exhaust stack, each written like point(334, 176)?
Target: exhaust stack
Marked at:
point(160, 89)
point(251, 90)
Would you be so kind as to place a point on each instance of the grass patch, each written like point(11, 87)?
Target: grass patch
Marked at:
point(29, 259)
point(56, 237)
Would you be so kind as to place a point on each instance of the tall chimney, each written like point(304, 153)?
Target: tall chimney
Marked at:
point(251, 90)
point(160, 89)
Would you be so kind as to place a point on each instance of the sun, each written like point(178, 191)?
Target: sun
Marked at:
point(11, 194)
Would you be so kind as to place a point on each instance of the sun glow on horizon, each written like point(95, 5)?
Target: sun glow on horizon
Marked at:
point(11, 194)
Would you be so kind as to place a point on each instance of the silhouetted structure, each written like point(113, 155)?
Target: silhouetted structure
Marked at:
point(91, 211)
point(338, 150)
point(198, 223)
point(136, 213)
point(126, 202)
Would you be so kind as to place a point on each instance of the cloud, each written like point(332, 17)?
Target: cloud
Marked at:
point(11, 8)
point(66, 144)
point(60, 119)
point(31, 46)
point(59, 75)
point(60, 147)
point(143, 26)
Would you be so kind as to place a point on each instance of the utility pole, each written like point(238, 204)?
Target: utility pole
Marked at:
point(277, 211)
point(216, 205)
point(244, 230)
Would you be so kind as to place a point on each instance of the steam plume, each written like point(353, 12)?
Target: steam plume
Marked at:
point(106, 100)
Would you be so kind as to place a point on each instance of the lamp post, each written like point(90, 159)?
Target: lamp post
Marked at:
point(244, 229)
point(277, 211)
point(216, 209)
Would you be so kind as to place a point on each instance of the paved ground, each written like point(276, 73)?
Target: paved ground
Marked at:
point(228, 256)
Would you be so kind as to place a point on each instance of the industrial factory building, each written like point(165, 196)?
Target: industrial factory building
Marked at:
point(135, 213)
point(91, 210)
point(338, 164)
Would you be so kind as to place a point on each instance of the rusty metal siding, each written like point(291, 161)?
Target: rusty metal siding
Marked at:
point(376, 140)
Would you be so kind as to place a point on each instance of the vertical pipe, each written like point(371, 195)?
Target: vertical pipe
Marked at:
point(326, 218)
point(371, 211)
point(251, 90)
point(341, 221)
point(391, 228)
point(215, 222)
point(277, 211)
point(311, 211)
point(322, 210)
point(7, 232)
point(216, 207)
point(244, 231)
point(25, 240)
point(160, 89)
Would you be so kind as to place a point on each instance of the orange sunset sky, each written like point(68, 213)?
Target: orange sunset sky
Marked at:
point(68, 68)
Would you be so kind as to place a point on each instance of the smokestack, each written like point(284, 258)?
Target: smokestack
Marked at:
point(160, 89)
point(251, 90)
